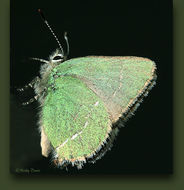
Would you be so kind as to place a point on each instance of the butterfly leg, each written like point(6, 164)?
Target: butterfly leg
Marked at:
point(35, 98)
point(30, 100)
point(45, 143)
point(30, 85)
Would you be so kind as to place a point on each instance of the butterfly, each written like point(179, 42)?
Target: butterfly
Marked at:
point(84, 101)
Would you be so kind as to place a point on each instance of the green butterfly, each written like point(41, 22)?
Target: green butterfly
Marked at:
point(85, 100)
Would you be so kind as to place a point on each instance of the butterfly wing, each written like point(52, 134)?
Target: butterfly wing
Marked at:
point(118, 81)
point(75, 120)
point(90, 95)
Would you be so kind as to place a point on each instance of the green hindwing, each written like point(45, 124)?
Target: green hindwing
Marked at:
point(75, 119)
point(91, 95)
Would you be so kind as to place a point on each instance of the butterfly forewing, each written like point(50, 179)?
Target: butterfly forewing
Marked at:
point(116, 80)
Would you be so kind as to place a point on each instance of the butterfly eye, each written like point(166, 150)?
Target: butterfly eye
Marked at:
point(57, 58)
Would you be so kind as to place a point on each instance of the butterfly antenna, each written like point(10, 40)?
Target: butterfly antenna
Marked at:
point(46, 22)
point(66, 38)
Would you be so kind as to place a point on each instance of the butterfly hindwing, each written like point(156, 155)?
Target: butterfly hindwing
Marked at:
point(74, 119)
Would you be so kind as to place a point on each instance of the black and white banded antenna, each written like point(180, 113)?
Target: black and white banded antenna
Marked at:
point(46, 22)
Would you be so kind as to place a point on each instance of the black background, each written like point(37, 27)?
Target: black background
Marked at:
point(111, 28)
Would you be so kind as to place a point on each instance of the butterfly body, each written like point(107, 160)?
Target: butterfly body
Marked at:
point(85, 100)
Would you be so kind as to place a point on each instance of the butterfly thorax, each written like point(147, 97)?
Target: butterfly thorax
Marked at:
point(55, 59)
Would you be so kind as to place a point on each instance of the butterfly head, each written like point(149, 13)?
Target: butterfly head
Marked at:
point(57, 57)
